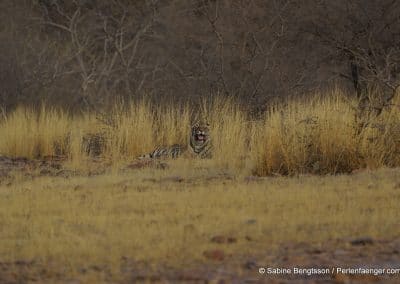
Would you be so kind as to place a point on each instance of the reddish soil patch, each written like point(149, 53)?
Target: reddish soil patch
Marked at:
point(219, 268)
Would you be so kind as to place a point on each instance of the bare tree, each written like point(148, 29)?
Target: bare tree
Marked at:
point(365, 35)
point(103, 46)
point(92, 52)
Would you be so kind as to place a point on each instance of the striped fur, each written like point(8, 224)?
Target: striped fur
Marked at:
point(170, 152)
point(199, 145)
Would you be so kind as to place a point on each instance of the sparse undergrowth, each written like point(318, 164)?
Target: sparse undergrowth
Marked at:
point(317, 135)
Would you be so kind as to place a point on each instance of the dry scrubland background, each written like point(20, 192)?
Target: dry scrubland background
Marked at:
point(88, 54)
point(313, 135)
point(288, 86)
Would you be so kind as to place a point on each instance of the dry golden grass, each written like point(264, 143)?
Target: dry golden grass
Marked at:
point(167, 217)
point(322, 135)
point(317, 135)
point(146, 215)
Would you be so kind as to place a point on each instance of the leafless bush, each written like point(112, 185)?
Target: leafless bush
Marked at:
point(88, 53)
point(365, 36)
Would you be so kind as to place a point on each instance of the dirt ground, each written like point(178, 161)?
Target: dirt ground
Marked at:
point(239, 269)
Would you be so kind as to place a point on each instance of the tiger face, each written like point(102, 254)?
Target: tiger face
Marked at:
point(200, 137)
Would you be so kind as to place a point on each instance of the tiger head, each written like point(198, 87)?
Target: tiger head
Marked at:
point(200, 137)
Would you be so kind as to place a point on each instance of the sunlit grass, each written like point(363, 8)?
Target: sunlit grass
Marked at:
point(321, 134)
point(147, 216)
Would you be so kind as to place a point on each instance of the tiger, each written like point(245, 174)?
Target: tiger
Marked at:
point(199, 145)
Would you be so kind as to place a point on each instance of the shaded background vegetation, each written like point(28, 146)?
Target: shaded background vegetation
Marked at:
point(84, 54)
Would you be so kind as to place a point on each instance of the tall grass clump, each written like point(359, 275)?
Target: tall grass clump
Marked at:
point(322, 135)
point(141, 127)
point(172, 124)
point(131, 131)
point(83, 131)
point(379, 139)
point(231, 132)
point(33, 134)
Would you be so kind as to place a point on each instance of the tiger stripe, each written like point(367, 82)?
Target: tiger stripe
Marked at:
point(199, 143)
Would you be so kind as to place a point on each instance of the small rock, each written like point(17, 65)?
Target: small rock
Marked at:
point(315, 251)
point(173, 179)
point(215, 254)
point(362, 241)
point(251, 264)
point(218, 239)
point(223, 240)
point(248, 238)
point(231, 240)
point(95, 267)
